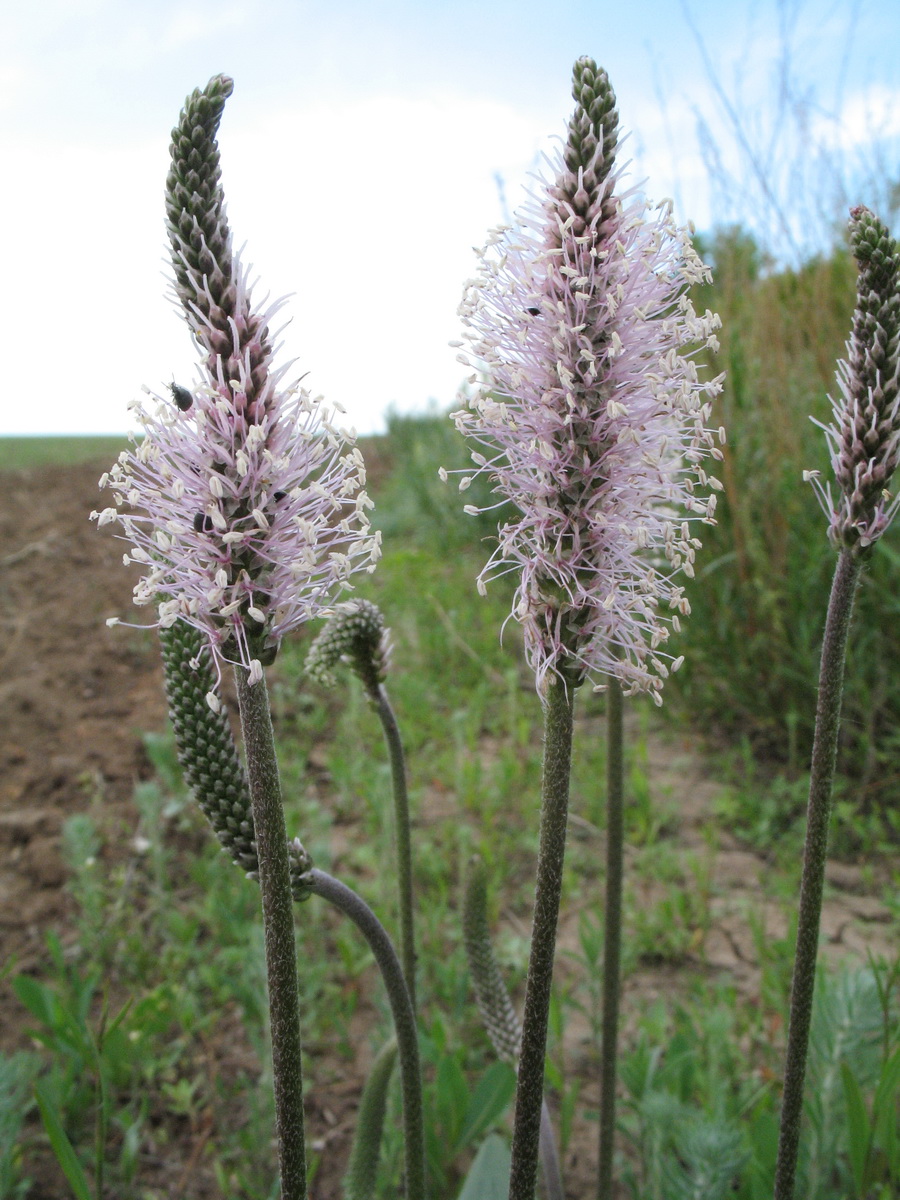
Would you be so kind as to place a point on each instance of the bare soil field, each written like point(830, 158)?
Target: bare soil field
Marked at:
point(74, 694)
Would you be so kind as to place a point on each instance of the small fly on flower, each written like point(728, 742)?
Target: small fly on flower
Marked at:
point(203, 523)
point(181, 396)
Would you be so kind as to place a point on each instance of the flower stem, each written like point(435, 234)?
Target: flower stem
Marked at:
point(550, 1168)
point(353, 906)
point(402, 834)
point(612, 951)
point(278, 924)
point(551, 854)
point(824, 757)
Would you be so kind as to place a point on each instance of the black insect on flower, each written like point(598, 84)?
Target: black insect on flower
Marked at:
point(203, 523)
point(181, 396)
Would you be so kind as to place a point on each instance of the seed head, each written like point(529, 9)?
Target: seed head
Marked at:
point(864, 438)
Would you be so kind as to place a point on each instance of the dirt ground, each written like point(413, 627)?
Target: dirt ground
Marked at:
point(75, 697)
point(73, 693)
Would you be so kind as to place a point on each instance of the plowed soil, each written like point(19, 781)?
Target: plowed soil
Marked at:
point(74, 694)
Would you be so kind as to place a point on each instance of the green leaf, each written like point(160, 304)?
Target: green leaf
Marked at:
point(62, 1147)
point(764, 1141)
point(859, 1133)
point(64, 1028)
point(488, 1177)
point(119, 1018)
point(452, 1097)
point(39, 1000)
point(489, 1100)
point(885, 1110)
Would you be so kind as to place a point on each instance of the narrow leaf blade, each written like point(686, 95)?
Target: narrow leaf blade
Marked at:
point(859, 1133)
point(62, 1147)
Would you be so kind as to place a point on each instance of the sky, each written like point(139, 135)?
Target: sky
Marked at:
point(368, 147)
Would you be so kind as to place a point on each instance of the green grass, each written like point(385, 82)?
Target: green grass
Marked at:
point(167, 941)
point(753, 642)
point(20, 452)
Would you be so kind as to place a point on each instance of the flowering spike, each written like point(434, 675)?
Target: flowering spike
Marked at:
point(590, 148)
point(199, 234)
point(209, 282)
point(362, 1169)
point(494, 1004)
point(244, 501)
point(355, 635)
point(592, 412)
point(865, 437)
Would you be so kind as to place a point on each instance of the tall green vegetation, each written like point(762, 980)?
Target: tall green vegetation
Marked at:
point(765, 570)
point(753, 643)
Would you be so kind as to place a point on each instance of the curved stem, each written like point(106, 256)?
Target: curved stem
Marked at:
point(354, 907)
point(278, 925)
point(612, 950)
point(551, 854)
point(402, 834)
point(824, 757)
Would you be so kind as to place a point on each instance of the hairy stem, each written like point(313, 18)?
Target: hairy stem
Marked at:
point(353, 906)
point(824, 757)
point(402, 834)
point(551, 855)
point(612, 950)
point(278, 924)
point(550, 1168)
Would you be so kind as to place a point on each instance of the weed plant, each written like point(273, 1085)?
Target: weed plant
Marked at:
point(702, 1125)
point(763, 584)
point(124, 1054)
point(168, 926)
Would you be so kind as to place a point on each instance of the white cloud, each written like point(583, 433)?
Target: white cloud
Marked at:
point(867, 116)
point(13, 78)
point(85, 322)
point(367, 212)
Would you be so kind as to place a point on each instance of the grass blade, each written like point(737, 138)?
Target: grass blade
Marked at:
point(62, 1147)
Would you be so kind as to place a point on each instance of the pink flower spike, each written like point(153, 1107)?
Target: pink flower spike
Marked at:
point(245, 557)
point(243, 500)
point(591, 416)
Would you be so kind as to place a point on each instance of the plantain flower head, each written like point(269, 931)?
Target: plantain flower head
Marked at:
point(243, 500)
point(587, 411)
point(864, 439)
point(355, 636)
